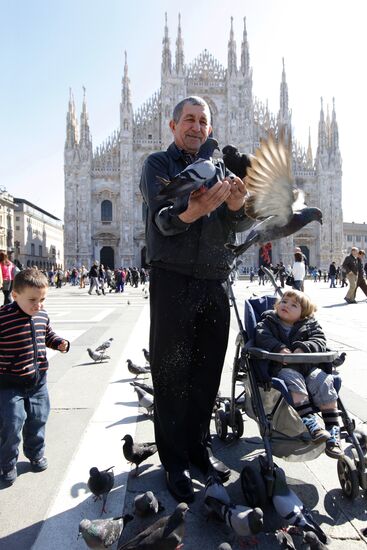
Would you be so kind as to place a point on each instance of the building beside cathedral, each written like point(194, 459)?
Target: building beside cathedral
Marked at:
point(104, 211)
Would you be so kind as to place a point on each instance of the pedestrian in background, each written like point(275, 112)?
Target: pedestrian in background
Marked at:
point(361, 281)
point(350, 265)
point(7, 275)
point(298, 271)
point(332, 274)
point(93, 278)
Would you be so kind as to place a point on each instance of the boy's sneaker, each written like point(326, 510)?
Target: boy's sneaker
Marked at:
point(42, 464)
point(10, 476)
point(317, 433)
point(333, 444)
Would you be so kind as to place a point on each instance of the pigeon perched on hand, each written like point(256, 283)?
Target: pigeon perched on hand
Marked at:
point(290, 507)
point(164, 534)
point(146, 400)
point(102, 533)
point(136, 453)
point(105, 345)
point(146, 387)
point(136, 369)
point(97, 356)
point(146, 504)
point(192, 178)
point(100, 483)
point(236, 162)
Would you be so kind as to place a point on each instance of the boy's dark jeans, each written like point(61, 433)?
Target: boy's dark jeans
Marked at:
point(23, 411)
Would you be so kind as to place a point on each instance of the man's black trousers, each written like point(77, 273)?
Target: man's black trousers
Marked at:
point(188, 341)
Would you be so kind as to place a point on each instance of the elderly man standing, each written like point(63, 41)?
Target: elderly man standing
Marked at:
point(189, 305)
point(350, 265)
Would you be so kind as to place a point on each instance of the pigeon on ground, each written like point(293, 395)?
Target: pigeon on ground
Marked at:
point(313, 542)
point(285, 540)
point(102, 533)
point(164, 534)
point(146, 387)
point(235, 161)
point(214, 488)
point(100, 483)
point(146, 355)
point(136, 453)
point(291, 508)
point(146, 400)
point(97, 356)
point(136, 369)
point(224, 546)
point(146, 504)
point(244, 521)
point(105, 345)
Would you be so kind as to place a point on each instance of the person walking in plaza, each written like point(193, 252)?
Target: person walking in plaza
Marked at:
point(189, 306)
point(350, 265)
point(298, 271)
point(332, 274)
point(24, 400)
point(361, 281)
point(7, 276)
point(93, 275)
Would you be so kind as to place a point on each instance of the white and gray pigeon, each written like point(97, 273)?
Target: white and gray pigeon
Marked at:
point(136, 453)
point(97, 357)
point(146, 400)
point(146, 504)
point(146, 355)
point(244, 521)
point(147, 387)
point(100, 483)
point(136, 369)
point(102, 533)
point(288, 505)
point(224, 546)
point(105, 345)
point(214, 488)
point(165, 534)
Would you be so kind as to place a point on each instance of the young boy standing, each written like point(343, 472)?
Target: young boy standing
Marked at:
point(25, 332)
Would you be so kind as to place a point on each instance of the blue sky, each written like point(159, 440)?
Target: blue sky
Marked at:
point(48, 46)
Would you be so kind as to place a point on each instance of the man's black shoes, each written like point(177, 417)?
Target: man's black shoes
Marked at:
point(211, 465)
point(180, 485)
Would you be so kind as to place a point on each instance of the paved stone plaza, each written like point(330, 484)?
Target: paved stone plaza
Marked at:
point(94, 406)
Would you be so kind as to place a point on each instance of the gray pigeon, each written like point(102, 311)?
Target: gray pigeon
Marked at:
point(244, 521)
point(97, 356)
point(192, 178)
point(285, 540)
point(105, 345)
point(146, 400)
point(146, 355)
point(224, 546)
point(216, 490)
point(136, 453)
point(164, 534)
point(100, 483)
point(146, 387)
point(102, 533)
point(136, 369)
point(312, 541)
point(146, 504)
point(291, 508)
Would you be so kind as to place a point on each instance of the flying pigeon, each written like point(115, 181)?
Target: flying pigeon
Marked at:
point(146, 355)
point(101, 483)
point(290, 507)
point(97, 356)
point(145, 400)
point(136, 453)
point(285, 540)
point(312, 541)
point(146, 504)
point(102, 533)
point(146, 387)
point(236, 162)
point(136, 369)
point(244, 521)
point(164, 534)
point(105, 345)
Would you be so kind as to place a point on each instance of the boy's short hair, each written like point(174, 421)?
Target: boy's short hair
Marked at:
point(29, 278)
point(307, 307)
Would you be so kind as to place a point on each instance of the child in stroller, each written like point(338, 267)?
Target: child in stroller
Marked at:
point(292, 328)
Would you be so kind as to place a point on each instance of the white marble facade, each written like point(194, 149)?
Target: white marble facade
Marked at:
point(104, 213)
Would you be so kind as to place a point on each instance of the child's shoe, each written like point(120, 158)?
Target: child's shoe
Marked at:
point(317, 433)
point(39, 465)
point(10, 476)
point(333, 444)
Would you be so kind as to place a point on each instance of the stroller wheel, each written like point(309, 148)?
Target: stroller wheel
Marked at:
point(221, 424)
point(348, 477)
point(253, 486)
point(237, 429)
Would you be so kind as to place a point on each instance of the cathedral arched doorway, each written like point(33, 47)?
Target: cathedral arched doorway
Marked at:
point(107, 257)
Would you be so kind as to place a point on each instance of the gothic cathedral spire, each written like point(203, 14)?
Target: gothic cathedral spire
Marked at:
point(334, 132)
point(179, 49)
point(232, 55)
point(71, 124)
point(166, 51)
point(245, 54)
point(322, 137)
point(85, 139)
point(125, 92)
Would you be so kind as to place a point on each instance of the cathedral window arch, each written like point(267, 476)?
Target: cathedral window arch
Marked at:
point(126, 124)
point(106, 211)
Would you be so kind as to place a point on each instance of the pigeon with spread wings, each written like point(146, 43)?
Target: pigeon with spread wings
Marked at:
point(273, 199)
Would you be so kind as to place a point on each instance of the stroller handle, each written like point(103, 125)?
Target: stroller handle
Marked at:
point(294, 358)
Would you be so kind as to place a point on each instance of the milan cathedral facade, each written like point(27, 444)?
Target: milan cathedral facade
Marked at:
point(104, 211)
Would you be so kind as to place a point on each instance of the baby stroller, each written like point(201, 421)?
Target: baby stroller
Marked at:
point(267, 400)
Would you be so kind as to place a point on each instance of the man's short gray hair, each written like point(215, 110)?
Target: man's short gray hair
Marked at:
point(193, 100)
